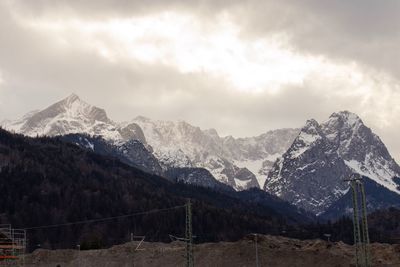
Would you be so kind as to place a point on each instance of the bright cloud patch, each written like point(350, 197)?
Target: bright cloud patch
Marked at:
point(182, 41)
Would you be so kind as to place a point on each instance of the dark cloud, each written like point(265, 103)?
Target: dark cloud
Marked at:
point(365, 31)
point(361, 30)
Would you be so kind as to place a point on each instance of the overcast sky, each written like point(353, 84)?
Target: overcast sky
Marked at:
point(241, 67)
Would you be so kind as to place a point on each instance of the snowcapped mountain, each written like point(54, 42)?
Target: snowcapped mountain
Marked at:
point(303, 166)
point(310, 173)
point(72, 115)
point(89, 127)
point(239, 162)
point(361, 149)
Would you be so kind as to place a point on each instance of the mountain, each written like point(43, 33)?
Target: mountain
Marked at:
point(47, 181)
point(241, 163)
point(73, 115)
point(310, 173)
point(303, 166)
point(135, 154)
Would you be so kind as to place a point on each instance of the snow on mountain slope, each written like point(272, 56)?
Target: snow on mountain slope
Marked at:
point(305, 167)
point(310, 174)
point(362, 150)
point(241, 163)
point(72, 115)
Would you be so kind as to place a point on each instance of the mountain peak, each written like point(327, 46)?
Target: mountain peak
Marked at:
point(69, 115)
point(141, 118)
point(311, 172)
point(312, 127)
point(212, 132)
point(346, 116)
point(311, 123)
point(72, 98)
point(75, 108)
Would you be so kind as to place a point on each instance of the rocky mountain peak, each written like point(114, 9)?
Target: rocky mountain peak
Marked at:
point(322, 155)
point(347, 117)
point(213, 133)
point(71, 98)
point(141, 118)
point(312, 124)
point(70, 115)
point(342, 125)
point(312, 129)
point(309, 135)
point(74, 107)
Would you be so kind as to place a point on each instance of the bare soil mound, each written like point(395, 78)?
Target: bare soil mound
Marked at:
point(273, 251)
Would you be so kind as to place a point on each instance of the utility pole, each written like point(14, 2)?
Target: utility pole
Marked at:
point(188, 239)
point(364, 225)
point(79, 255)
point(256, 245)
point(328, 237)
point(361, 236)
point(189, 235)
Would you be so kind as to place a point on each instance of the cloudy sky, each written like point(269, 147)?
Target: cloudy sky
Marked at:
point(241, 67)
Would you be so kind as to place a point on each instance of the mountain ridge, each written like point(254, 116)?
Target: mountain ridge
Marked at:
point(303, 166)
point(241, 163)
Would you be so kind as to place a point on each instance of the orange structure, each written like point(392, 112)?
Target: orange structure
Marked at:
point(12, 246)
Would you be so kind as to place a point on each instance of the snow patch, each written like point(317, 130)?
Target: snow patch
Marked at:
point(254, 166)
point(242, 184)
point(376, 171)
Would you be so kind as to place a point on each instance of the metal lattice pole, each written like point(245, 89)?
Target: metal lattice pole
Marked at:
point(356, 224)
point(189, 235)
point(364, 225)
point(361, 236)
point(256, 241)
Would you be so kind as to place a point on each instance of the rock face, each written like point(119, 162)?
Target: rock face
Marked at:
point(310, 173)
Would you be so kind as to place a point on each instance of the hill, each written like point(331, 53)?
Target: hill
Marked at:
point(47, 181)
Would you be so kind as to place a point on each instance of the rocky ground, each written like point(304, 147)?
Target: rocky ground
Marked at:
point(273, 251)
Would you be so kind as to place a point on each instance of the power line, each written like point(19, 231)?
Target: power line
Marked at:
point(103, 219)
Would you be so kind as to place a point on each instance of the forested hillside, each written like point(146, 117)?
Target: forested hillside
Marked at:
point(46, 181)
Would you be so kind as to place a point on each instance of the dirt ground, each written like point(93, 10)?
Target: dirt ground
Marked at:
point(273, 251)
